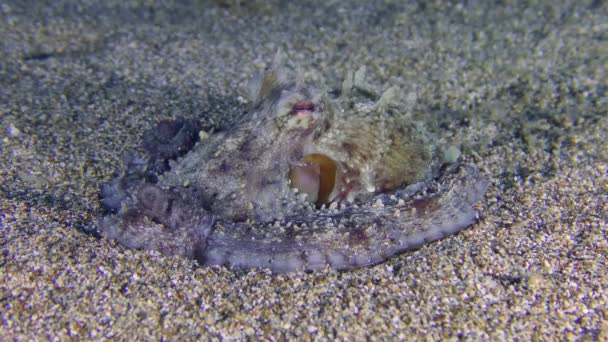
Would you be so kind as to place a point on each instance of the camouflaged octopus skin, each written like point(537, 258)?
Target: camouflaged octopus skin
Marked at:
point(303, 181)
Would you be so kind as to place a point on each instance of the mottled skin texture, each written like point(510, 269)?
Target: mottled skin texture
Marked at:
point(232, 199)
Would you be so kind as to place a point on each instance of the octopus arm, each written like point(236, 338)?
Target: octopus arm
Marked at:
point(350, 238)
point(159, 219)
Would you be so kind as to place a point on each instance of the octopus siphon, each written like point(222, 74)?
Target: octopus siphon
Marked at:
point(305, 179)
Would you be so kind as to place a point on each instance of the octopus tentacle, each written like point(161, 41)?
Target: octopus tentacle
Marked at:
point(162, 220)
point(357, 238)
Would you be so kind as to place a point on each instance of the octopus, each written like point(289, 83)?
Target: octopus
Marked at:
point(304, 180)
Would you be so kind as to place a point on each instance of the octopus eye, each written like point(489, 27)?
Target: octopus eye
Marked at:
point(302, 107)
point(317, 178)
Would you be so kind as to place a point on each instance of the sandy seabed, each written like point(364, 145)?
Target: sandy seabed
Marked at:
point(521, 88)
